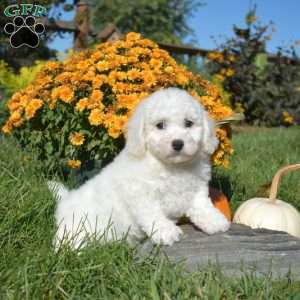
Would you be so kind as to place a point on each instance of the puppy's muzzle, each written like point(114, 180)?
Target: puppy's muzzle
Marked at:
point(177, 145)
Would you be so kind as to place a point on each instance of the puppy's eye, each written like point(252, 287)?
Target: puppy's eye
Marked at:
point(161, 125)
point(188, 123)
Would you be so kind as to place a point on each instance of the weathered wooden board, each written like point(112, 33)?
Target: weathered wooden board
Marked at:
point(261, 250)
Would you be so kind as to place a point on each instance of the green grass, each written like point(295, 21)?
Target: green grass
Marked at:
point(258, 155)
point(30, 269)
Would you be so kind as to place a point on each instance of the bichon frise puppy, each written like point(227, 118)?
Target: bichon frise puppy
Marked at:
point(160, 175)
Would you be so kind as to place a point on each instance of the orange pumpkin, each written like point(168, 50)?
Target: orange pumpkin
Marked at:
point(221, 202)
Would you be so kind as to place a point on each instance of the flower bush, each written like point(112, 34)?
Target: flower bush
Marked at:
point(74, 111)
point(265, 88)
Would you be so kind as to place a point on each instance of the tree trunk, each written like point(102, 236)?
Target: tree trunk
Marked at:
point(82, 21)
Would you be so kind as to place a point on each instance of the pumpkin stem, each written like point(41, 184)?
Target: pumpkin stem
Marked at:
point(277, 177)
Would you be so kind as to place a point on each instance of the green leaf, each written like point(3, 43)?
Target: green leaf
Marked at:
point(93, 144)
point(250, 17)
point(154, 291)
point(261, 62)
point(49, 148)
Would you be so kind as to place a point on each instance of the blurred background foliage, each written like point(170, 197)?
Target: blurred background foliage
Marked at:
point(265, 87)
point(159, 20)
point(11, 82)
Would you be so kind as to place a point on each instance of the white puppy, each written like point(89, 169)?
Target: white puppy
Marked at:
point(160, 175)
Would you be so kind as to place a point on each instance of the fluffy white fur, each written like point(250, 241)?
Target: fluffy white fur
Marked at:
point(149, 185)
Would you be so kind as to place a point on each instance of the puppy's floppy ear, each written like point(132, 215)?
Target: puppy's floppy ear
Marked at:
point(209, 138)
point(135, 131)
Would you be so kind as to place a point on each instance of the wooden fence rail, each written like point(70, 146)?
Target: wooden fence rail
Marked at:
point(111, 32)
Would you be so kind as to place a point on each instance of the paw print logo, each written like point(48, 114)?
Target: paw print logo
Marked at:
point(24, 32)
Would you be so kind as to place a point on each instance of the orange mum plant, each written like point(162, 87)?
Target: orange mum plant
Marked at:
point(74, 111)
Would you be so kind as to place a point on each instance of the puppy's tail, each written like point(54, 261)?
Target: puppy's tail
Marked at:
point(57, 189)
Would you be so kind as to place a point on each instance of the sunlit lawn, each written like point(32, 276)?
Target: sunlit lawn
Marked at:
point(259, 153)
point(30, 269)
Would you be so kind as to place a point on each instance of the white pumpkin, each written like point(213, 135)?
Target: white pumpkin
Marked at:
point(270, 213)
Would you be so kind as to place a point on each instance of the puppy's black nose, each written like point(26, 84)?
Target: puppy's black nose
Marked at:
point(177, 145)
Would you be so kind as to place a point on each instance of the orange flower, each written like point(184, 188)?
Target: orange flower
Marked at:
point(43, 81)
point(217, 56)
point(95, 100)
point(82, 65)
point(181, 79)
point(114, 132)
point(146, 43)
point(99, 80)
point(89, 76)
point(15, 116)
point(82, 104)
point(132, 36)
point(76, 77)
point(119, 122)
point(14, 102)
point(24, 99)
point(121, 75)
point(231, 58)
point(96, 117)
point(63, 77)
point(97, 55)
point(7, 128)
point(65, 93)
point(33, 106)
point(77, 139)
point(115, 76)
point(149, 78)
point(133, 74)
point(155, 63)
point(125, 99)
point(108, 119)
point(31, 91)
point(169, 69)
point(102, 65)
point(52, 65)
point(96, 95)
point(229, 72)
point(287, 118)
point(74, 163)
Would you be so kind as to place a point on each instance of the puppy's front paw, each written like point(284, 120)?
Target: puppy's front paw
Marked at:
point(214, 223)
point(166, 234)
